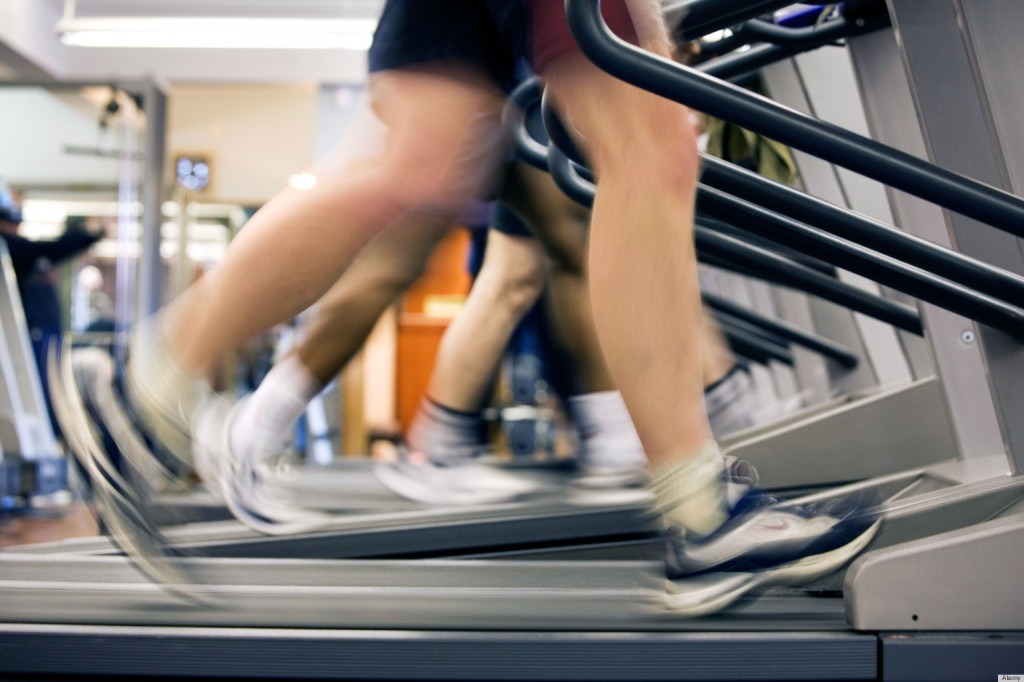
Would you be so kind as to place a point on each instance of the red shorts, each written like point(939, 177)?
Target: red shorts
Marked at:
point(550, 31)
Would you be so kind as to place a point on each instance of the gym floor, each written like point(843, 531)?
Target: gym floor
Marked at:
point(75, 521)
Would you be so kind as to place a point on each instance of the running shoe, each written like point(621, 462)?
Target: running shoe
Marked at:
point(255, 488)
point(765, 542)
point(414, 476)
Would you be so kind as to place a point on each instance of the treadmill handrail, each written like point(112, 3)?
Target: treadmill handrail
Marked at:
point(826, 141)
point(745, 342)
point(821, 345)
point(697, 18)
point(835, 220)
point(781, 43)
point(774, 268)
point(861, 229)
point(768, 265)
point(879, 267)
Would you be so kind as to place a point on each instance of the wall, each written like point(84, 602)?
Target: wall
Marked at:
point(256, 136)
point(35, 127)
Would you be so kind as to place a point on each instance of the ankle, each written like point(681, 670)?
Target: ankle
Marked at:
point(690, 491)
point(444, 434)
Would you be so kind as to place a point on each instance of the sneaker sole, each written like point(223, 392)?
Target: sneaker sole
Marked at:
point(704, 595)
point(424, 492)
point(129, 527)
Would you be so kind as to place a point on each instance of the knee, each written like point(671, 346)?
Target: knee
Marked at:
point(514, 284)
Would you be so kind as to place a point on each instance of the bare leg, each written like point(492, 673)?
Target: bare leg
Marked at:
point(440, 150)
point(561, 225)
point(643, 271)
point(300, 242)
point(443, 437)
point(347, 313)
point(509, 283)
point(341, 322)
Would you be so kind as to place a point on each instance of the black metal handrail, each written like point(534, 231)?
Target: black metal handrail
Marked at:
point(829, 142)
point(744, 342)
point(757, 240)
point(871, 264)
point(781, 43)
point(774, 268)
point(698, 18)
point(833, 219)
point(734, 253)
point(861, 229)
point(827, 347)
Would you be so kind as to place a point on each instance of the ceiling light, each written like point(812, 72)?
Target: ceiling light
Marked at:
point(217, 32)
point(302, 181)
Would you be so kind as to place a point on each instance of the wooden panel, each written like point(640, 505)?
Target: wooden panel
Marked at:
point(426, 311)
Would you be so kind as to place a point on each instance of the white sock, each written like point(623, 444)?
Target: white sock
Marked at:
point(265, 421)
point(608, 438)
point(692, 495)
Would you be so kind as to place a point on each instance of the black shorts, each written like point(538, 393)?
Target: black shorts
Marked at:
point(506, 221)
point(489, 34)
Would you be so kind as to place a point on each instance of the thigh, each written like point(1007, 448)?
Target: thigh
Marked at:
point(444, 128)
point(559, 223)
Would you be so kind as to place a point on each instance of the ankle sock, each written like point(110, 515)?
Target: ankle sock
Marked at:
point(692, 494)
point(265, 421)
point(608, 438)
point(730, 402)
point(443, 434)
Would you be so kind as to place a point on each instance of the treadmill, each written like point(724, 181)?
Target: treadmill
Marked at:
point(941, 608)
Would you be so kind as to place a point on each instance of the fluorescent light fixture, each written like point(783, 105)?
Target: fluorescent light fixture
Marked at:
point(217, 32)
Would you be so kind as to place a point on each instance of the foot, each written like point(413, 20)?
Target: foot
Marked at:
point(160, 396)
point(126, 514)
point(463, 481)
point(610, 483)
point(765, 542)
point(254, 486)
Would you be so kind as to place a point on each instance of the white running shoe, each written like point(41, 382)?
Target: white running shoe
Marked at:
point(255, 489)
point(764, 542)
point(461, 482)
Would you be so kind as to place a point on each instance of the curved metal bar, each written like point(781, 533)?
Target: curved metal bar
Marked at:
point(513, 117)
point(831, 143)
point(819, 344)
point(750, 345)
point(880, 268)
point(558, 133)
point(696, 18)
point(807, 38)
point(861, 229)
point(764, 263)
point(563, 172)
point(775, 268)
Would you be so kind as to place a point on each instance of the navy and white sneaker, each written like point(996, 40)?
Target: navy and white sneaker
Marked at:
point(765, 542)
point(456, 481)
point(255, 488)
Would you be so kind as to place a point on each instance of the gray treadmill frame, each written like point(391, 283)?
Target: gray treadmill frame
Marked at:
point(456, 654)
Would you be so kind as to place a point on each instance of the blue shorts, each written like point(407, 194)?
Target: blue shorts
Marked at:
point(488, 34)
